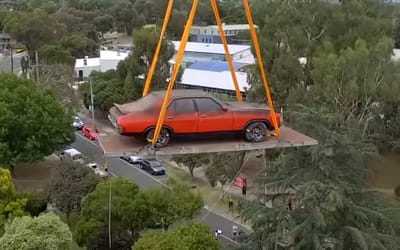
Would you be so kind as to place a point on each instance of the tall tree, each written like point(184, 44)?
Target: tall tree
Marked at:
point(33, 124)
point(70, 184)
point(45, 232)
point(186, 236)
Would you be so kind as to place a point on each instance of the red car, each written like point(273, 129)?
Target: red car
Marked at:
point(191, 112)
point(90, 132)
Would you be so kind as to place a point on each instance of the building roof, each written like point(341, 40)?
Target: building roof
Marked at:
point(216, 80)
point(234, 27)
point(113, 55)
point(226, 27)
point(211, 48)
point(91, 62)
point(215, 66)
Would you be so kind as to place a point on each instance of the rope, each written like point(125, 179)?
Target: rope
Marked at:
point(260, 64)
point(179, 58)
point(214, 7)
point(157, 52)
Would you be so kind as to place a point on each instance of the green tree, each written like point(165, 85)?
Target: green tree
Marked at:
point(126, 17)
point(184, 237)
point(45, 232)
point(124, 211)
point(33, 29)
point(33, 124)
point(56, 54)
point(193, 161)
point(11, 206)
point(162, 204)
point(70, 183)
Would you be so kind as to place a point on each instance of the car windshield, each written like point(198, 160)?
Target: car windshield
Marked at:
point(155, 164)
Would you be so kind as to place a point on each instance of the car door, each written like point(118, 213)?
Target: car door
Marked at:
point(182, 116)
point(212, 116)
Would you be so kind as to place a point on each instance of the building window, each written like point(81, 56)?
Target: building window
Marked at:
point(205, 31)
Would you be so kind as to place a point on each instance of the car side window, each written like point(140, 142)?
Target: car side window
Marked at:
point(184, 106)
point(207, 105)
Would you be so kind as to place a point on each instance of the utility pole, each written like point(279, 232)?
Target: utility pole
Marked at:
point(91, 101)
point(12, 56)
point(109, 215)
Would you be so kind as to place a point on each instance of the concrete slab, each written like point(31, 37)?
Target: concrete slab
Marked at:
point(115, 145)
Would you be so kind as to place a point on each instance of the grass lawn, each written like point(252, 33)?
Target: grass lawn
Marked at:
point(36, 176)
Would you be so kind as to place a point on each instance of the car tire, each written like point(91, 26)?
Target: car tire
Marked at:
point(256, 132)
point(163, 138)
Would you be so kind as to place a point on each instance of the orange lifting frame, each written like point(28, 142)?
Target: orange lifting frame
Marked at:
point(179, 58)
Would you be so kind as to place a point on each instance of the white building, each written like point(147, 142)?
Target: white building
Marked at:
point(195, 52)
point(108, 60)
point(214, 77)
point(210, 33)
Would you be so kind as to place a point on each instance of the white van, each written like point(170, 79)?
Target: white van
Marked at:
point(72, 155)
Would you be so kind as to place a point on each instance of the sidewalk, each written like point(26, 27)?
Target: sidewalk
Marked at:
point(101, 123)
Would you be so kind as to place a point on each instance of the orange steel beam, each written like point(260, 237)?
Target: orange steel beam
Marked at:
point(261, 65)
point(214, 7)
point(157, 52)
point(175, 70)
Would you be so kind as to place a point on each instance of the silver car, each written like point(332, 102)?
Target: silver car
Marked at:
point(77, 123)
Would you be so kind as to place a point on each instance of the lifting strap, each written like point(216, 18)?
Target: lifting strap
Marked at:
point(157, 52)
point(261, 65)
point(179, 57)
point(214, 7)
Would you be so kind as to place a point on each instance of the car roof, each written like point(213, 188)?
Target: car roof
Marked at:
point(180, 93)
point(72, 152)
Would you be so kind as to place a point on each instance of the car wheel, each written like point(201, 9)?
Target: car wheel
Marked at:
point(256, 132)
point(163, 138)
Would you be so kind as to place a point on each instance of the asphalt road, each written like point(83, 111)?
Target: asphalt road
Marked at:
point(119, 167)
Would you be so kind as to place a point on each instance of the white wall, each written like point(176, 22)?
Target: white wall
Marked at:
point(86, 70)
point(106, 65)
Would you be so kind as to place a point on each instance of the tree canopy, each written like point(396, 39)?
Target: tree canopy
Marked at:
point(70, 183)
point(183, 237)
point(45, 232)
point(131, 211)
point(33, 124)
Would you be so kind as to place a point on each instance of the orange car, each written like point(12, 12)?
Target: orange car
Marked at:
point(191, 112)
point(90, 132)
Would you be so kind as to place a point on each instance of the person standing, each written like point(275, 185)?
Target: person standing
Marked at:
point(230, 204)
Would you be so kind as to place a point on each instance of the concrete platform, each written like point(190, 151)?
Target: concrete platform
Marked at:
point(115, 145)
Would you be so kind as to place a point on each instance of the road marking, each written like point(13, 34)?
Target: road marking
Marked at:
point(229, 239)
point(86, 139)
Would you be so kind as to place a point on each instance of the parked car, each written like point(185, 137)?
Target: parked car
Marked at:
point(133, 159)
point(192, 112)
point(152, 166)
point(77, 123)
point(97, 169)
point(71, 154)
point(90, 132)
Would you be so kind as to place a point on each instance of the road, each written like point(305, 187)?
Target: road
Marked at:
point(119, 167)
point(5, 63)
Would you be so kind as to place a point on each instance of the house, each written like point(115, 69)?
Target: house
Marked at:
point(108, 60)
point(195, 52)
point(210, 33)
point(214, 77)
point(5, 42)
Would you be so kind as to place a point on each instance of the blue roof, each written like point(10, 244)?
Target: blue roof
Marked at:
point(215, 66)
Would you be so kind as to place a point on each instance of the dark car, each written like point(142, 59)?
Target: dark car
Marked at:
point(152, 166)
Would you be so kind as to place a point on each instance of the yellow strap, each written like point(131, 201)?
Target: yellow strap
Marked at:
point(179, 57)
point(214, 7)
point(261, 66)
point(157, 52)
